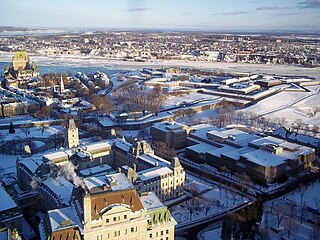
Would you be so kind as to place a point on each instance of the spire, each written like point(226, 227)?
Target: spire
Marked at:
point(175, 162)
point(61, 84)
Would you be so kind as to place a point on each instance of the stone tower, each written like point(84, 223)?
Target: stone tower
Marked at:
point(178, 176)
point(71, 134)
point(61, 85)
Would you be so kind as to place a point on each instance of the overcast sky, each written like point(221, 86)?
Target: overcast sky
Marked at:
point(167, 14)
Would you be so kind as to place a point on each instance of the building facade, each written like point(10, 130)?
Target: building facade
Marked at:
point(71, 134)
point(172, 133)
point(108, 207)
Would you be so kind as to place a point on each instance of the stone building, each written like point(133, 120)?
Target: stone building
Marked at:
point(21, 67)
point(172, 133)
point(108, 207)
point(147, 171)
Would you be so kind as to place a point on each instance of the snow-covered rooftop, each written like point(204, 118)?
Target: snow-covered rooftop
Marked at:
point(58, 155)
point(64, 218)
point(150, 201)
point(60, 186)
point(265, 158)
point(266, 140)
point(122, 144)
point(97, 146)
point(154, 160)
point(218, 151)
point(96, 170)
point(6, 201)
point(153, 173)
point(115, 182)
point(32, 163)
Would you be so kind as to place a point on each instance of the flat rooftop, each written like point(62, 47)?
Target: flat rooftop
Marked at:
point(96, 170)
point(169, 126)
point(265, 158)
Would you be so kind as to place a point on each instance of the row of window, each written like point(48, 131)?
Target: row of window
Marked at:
point(117, 219)
point(157, 234)
point(118, 233)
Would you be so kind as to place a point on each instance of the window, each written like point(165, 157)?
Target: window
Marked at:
point(125, 216)
point(161, 233)
point(167, 238)
point(167, 231)
point(107, 220)
point(132, 229)
point(114, 219)
point(150, 236)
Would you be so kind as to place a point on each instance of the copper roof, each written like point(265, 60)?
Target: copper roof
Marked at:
point(104, 199)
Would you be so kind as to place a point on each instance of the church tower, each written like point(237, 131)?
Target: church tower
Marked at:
point(71, 134)
point(61, 85)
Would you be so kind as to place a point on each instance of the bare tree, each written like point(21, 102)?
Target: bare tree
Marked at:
point(291, 220)
point(315, 233)
point(303, 212)
point(208, 203)
point(239, 116)
point(102, 103)
point(297, 124)
point(280, 212)
point(191, 114)
point(162, 150)
point(26, 131)
point(301, 191)
point(193, 204)
point(282, 122)
point(315, 130)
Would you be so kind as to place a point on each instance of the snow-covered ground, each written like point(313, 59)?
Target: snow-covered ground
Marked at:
point(303, 198)
point(309, 195)
point(79, 60)
point(290, 105)
point(34, 132)
point(223, 198)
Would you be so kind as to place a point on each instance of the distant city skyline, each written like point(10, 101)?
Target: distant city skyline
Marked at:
point(150, 14)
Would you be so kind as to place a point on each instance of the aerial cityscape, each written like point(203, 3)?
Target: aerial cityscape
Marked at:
point(140, 119)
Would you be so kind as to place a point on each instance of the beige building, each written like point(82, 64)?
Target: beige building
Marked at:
point(165, 181)
point(172, 133)
point(147, 171)
point(108, 207)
